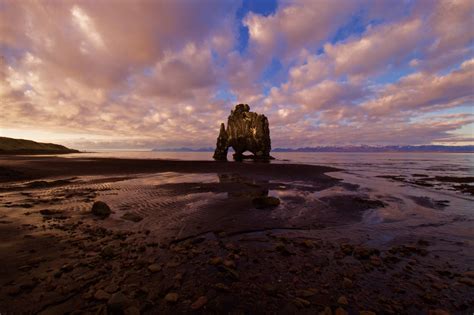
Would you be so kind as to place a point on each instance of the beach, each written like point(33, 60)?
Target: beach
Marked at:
point(198, 237)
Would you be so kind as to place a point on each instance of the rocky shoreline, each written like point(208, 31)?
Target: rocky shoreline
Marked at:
point(58, 256)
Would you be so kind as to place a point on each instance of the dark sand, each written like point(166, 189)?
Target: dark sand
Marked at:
point(186, 237)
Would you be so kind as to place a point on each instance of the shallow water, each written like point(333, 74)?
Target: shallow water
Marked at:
point(177, 204)
point(456, 164)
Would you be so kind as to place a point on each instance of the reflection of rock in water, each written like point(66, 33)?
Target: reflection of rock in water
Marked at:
point(246, 131)
point(247, 187)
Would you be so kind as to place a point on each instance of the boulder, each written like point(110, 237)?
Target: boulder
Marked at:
point(246, 131)
point(101, 209)
point(266, 202)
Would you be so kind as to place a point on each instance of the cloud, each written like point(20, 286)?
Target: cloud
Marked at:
point(373, 51)
point(151, 73)
point(296, 24)
point(425, 91)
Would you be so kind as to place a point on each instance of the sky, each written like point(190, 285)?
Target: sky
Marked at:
point(103, 74)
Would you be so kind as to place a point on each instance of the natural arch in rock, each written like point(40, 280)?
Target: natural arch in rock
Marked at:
point(246, 131)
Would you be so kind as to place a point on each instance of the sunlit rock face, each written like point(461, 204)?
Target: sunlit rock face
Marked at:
point(246, 131)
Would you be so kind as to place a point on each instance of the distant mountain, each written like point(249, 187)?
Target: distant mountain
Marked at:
point(21, 146)
point(391, 148)
point(362, 148)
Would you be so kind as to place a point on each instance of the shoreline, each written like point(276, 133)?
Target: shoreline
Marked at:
point(187, 237)
point(23, 167)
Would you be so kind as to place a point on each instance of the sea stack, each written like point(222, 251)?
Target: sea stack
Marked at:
point(246, 131)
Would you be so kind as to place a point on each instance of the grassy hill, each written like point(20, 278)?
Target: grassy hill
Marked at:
point(21, 146)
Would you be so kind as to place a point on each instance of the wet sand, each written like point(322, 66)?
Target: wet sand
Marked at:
point(187, 237)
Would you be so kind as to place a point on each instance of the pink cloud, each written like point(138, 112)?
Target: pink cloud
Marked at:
point(148, 73)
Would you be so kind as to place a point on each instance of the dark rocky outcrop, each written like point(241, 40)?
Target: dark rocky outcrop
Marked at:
point(246, 131)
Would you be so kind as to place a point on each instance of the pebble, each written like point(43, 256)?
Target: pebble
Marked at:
point(117, 302)
point(130, 216)
point(229, 263)
point(200, 302)
point(101, 295)
point(108, 252)
point(327, 311)
point(215, 261)
point(342, 300)
point(340, 311)
point(467, 281)
point(302, 302)
point(306, 293)
point(67, 268)
point(266, 202)
point(14, 290)
point(154, 267)
point(132, 310)
point(28, 284)
point(347, 249)
point(171, 297)
point(438, 312)
point(280, 247)
point(111, 288)
point(347, 283)
point(367, 313)
point(221, 287)
point(24, 268)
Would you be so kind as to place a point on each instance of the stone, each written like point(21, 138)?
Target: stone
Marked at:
point(342, 300)
point(171, 297)
point(438, 312)
point(117, 303)
point(469, 274)
point(111, 288)
point(15, 290)
point(199, 303)
point(467, 281)
point(246, 131)
point(231, 273)
point(361, 252)
point(347, 283)
point(101, 209)
point(347, 249)
point(108, 252)
point(266, 202)
point(130, 216)
point(306, 293)
point(270, 289)
point(280, 247)
point(221, 287)
point(340, 311)
point(101, 295)
point(67, 268)
point(302, 302)
point(215, 261)
point(367, 313)
point(308, 244)
point(154, 268)
point(132, 310)
point(327, 311)
point(229, 263)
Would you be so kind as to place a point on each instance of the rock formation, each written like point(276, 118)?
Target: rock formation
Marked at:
point(246, 131)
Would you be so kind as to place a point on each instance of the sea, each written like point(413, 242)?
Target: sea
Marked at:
point(375, 163)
